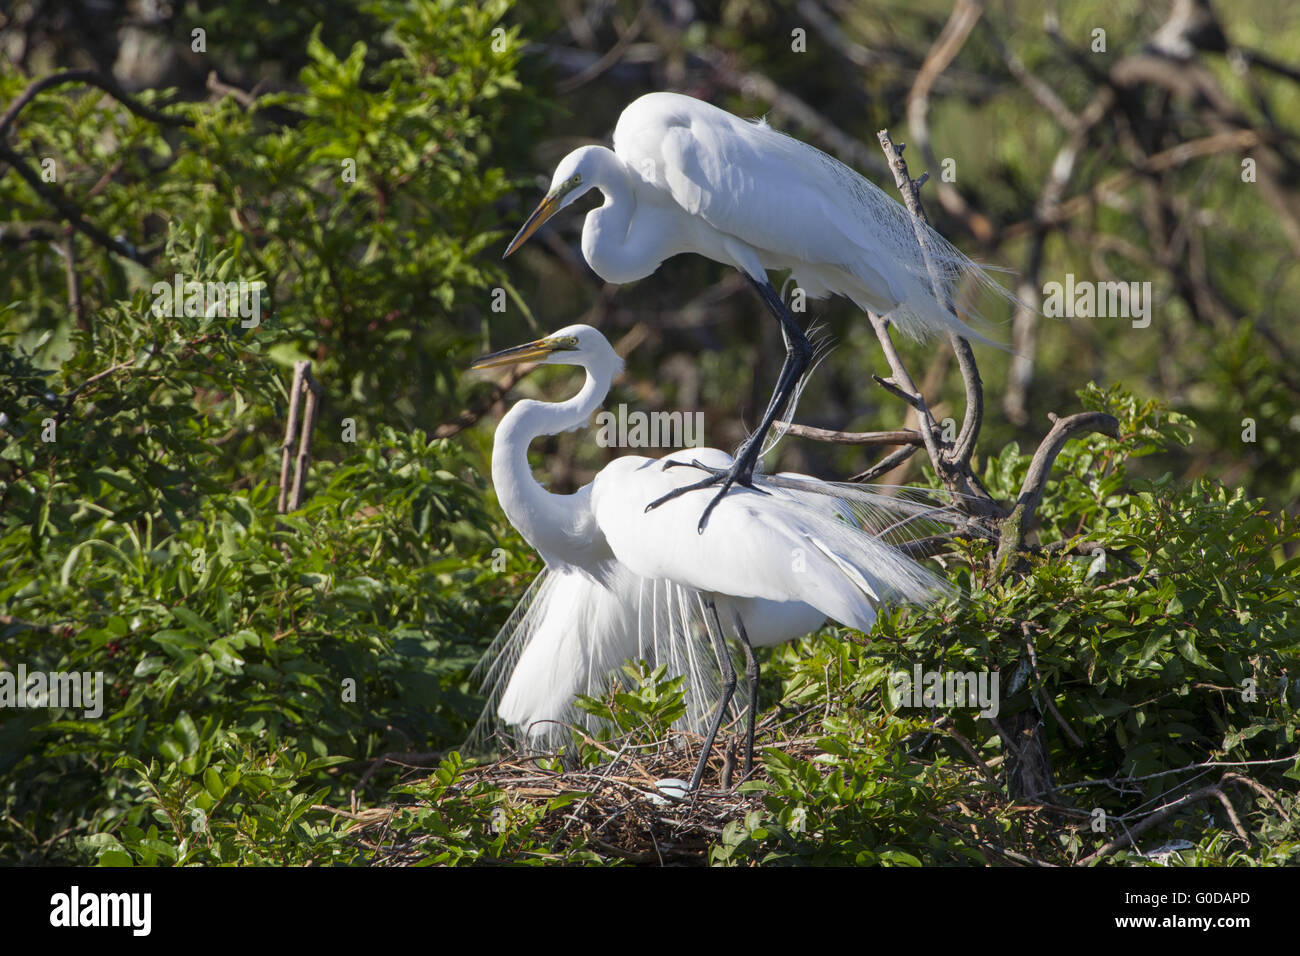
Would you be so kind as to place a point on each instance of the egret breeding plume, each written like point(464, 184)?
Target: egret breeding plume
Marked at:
point(685, 176)
point(774, 563)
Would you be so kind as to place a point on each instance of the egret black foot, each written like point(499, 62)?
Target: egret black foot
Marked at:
point(693, 463)
point(737, 474)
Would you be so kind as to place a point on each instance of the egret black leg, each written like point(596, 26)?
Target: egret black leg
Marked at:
point(728, 687)
point(798, 356)
point(751, 676)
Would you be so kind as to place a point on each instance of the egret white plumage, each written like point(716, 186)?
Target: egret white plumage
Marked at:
point(774, 563)
point(685, 176)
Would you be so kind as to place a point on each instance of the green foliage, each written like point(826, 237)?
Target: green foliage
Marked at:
point(213, 803)
point(456, 824)
point(645, 713)
point(1174, 644)
point(860, 802)
point(363, 197)
point(145, 541)
point(254, 663)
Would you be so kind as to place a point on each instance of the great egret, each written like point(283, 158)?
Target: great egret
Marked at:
point(685, 176)
point(774, 563)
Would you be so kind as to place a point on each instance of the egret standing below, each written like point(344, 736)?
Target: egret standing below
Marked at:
point(620, 583)
point(685, 176)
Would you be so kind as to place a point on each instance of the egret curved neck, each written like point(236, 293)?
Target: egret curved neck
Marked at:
point(553, 524)
point(611, 243)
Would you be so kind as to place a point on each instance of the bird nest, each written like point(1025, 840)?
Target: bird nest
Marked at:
point(632, 807)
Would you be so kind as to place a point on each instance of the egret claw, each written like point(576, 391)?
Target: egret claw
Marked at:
point(728, 477)
point(693, 463)
point(708, 510)
point(708, 482)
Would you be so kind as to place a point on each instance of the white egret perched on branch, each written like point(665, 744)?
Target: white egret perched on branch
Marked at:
point(773, 564)
point(685, 176)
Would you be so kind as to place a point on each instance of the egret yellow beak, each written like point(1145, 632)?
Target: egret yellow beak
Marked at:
point(513, 356)
point(547, 208)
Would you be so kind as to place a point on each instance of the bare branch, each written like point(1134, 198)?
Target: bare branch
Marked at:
point(953, 466)
point(1043, 94)
point(1040, 467)
point(1266, 62)
point(966, 82)
point(314, 394)
point(245, 99)
point(902, 436)
point(1145, 824)
point(965, 14)
point(886, 464)
point(1260, 789)
point(1018, 523)
point(1232, 816)
point(1178, 155)
point(290, 432)
point(472, 414)
point(75, 304)
point(612, 55)
point(1025, 322)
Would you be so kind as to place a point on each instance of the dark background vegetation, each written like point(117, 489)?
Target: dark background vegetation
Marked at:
point(144, 540)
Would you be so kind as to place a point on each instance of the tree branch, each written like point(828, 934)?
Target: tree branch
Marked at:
point(91, 78)
point(48, 193)
point(886, 464)
point(470, 415)
point(1145, 824)
point(70, 212)
point(953, 466)
point(965, 14)
point(902, 436)
point(1021, 518)
point(1031, 492)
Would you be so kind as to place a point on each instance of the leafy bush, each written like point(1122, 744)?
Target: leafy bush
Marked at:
point(256, 663)
point(347, 628)
point(646, 711)
point(1163, 652)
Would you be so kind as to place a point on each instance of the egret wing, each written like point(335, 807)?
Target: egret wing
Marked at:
point(714, 166)
point(785, 543)
point(795, 202)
